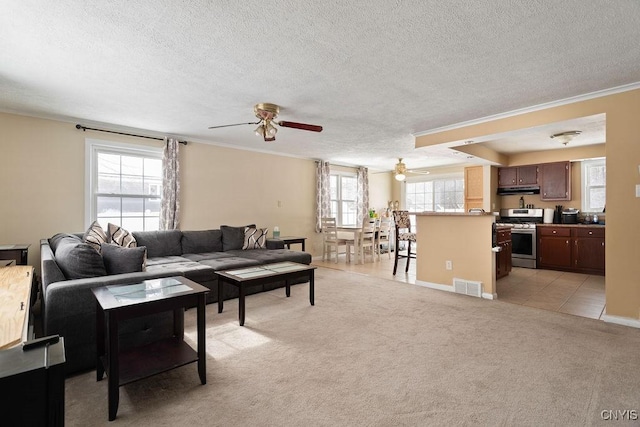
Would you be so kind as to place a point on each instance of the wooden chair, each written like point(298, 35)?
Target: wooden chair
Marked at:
point(383, 236)
point(403, 234)
point(330, 238)
point(366, 239)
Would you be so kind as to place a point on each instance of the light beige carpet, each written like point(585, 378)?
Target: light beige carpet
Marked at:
point(381, 353)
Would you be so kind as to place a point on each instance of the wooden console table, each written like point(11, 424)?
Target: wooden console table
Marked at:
point(15, 300)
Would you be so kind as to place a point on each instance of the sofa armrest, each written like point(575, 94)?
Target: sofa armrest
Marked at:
point(275, 244)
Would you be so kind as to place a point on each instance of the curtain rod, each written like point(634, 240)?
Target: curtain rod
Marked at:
point(84, 128)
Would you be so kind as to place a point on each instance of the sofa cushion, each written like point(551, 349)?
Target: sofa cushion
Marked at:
point(206, 255)
point(160, 243)
point(255, 238)
point(165, 260)
point(269, 256)
point(78, 260)
point(95, 236)
point(233, 237)
point(57, 238)
point(229, 263)
point(120, 236)
point(119, 260)
point(191, 270)
point(194, 242)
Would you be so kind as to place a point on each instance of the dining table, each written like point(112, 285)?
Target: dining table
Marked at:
point(356, 232)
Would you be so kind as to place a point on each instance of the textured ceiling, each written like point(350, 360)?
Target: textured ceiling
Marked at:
point(372, 73)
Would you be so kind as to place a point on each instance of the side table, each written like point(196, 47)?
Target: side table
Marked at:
point(289, 240)
point(19, 253)
point(121, 302)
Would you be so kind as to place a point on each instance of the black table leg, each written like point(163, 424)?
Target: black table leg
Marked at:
point(311, 287)
point(100, 347)
point(202, 367)
point(178, 322)
point(113, 373)
point(288, 288)
point(220, 298)
point(241, 304)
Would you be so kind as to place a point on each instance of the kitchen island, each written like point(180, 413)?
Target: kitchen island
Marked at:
point(458, 246)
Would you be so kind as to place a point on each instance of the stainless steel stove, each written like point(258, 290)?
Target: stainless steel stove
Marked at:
point(523, 234)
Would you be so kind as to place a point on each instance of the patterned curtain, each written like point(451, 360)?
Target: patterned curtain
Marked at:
point(323, 193)
point(170, 205)
point(363, 194)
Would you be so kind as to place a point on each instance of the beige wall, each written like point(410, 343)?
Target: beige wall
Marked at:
point(380, 190)
point(42, 185)
point(623, 157)
point(465, 240)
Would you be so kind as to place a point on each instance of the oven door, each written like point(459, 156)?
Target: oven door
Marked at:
point(523, 247)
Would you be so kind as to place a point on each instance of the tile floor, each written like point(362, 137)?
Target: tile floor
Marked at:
point(571, 293)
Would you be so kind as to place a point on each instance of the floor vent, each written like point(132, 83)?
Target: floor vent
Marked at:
point(467, 287)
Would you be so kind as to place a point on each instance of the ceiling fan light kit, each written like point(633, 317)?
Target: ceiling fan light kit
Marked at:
point(400, 170)
point(566, 137)
point(267, 113)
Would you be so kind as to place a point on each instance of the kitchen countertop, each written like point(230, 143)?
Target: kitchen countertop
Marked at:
point(454, 213)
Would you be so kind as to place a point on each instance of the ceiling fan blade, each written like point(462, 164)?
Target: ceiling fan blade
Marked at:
point(235, 124)
point(303, 126)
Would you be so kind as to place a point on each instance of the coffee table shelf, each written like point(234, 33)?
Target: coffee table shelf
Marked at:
point(145, 361)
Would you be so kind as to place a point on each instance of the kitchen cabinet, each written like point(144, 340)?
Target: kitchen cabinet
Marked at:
point(578, 249)
point(503, 258)
point(589, 250)
point(554, 247)
point(518, 176)
point(473, 188)
point(555, 181)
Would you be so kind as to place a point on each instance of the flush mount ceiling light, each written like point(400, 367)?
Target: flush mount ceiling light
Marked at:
point(400, 170)
point(566, 137)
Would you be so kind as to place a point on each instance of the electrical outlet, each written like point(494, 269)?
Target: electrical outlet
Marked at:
point(279, 203)
point(448, 265)
point(637, 190)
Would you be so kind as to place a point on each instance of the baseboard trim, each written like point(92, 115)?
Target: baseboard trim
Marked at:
point(619, 320)
point(486, 295)
point(438, 286)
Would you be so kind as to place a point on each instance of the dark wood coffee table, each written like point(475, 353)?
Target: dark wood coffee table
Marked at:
point(243, 278)
point(119, 302)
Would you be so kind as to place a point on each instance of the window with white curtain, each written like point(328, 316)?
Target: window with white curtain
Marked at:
point(442, 194)
point(123, 185)
point(594, 185)
point(344, 197)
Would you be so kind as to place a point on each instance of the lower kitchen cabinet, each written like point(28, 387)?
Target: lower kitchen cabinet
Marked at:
point(579, 249)
point(503, 258)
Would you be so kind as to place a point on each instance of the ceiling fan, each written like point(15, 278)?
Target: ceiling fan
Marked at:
point(267, 114)
point(400, 171)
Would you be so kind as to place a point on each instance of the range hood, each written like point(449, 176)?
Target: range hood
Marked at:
point(506, 191)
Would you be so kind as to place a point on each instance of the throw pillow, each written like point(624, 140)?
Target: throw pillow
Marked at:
point(95, 236)
point(78, 260)
point(57, 238)
point(119, 260)
point(120, 236)
point(233, 237)
point(255, 238)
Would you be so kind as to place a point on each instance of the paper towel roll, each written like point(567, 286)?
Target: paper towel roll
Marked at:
point(548, 216)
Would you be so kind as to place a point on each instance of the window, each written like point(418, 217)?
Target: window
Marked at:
point(123, 185)
point(594, 185)
point(436, 195)
point(344, 196)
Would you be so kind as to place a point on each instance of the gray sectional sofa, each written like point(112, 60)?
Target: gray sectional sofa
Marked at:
point(70, 270)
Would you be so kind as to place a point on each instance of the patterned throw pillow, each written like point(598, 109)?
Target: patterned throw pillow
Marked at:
point(255, 238)
point(121, 237)
point(95, 236)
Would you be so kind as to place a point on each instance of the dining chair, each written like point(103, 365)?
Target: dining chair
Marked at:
point(403, 234)
point(383, 236)
point(366, 240)
point(330, 238)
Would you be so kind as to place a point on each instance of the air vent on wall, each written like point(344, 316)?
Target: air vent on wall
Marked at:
point(467, 287)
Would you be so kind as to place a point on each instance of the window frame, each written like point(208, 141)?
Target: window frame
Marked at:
point(338, 215)
point(585, 187)
point(441, 177)
point(95, 146)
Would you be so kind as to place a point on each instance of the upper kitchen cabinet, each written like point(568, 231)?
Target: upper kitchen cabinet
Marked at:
point(555, 181)
point(518, 175)
point(473, 188)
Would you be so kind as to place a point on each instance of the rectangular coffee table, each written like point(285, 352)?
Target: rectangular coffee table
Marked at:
point(119, 302)
point(252, 276)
